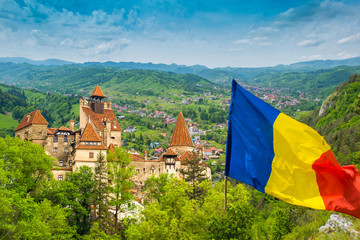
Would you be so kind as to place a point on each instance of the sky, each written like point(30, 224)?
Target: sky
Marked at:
point(214, 33)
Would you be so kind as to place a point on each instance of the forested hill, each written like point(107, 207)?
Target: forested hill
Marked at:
point(69, 79)
point(57, 109)
point(338, 121)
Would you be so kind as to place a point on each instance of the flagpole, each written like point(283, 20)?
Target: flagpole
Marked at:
point(225, 193)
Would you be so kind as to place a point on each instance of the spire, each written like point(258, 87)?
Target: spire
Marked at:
point(181, 135)
point(97, 92)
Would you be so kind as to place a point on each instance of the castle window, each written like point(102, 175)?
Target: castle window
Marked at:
point(60, 177)
point(61, 163)
point(65, 138)
point(55, 138)
point(55, 149)
point(152, 170)
point(144, 169)
point(91, 154)
point(70, 163)
point(138, 170)
point(66, 149)
point(159, 169)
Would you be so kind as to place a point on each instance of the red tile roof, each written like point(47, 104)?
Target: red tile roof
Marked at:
point(51, 131)
point(89, 134)
point(187, 156)
point(34, 117)
point(92, 147)
point(181, 135)
point(62, 128)
point(100, 118)
point(170, 152)
point(111, 147)
point(137, 158)
point(97, 92)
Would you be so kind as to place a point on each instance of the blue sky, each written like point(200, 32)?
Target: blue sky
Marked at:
point(214, 33)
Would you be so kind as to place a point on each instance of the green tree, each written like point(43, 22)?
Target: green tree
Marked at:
point(194, 173)
point(23, 218)
point(25, 172)
point(101, 191)
point(84, 183)
point(75, 194)
point(154, 187)
point(27, 166)
point(120, 172)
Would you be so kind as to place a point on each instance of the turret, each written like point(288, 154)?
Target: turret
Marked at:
point(96, 103)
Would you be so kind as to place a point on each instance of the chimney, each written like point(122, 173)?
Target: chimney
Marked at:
point(145, 155)
point(108, 124)
point(72, 125)
point(77, 138)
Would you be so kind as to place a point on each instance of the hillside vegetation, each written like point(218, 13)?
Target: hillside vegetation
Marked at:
point(57, 109)
point(70, 79)
point(339, 121)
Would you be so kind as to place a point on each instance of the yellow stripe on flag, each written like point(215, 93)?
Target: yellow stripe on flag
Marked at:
point(296, 148)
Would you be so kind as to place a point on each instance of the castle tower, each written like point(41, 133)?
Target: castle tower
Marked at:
point(170, 158)
point(88, 148)
point(100, 114)
point(33, 127)
point(181, 140)
point(96, 98)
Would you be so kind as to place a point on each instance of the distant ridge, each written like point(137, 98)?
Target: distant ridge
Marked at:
point(217, 75)
point(47, 62)
point(324, 63)
point(188, 69)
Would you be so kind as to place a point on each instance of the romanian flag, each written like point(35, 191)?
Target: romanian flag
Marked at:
point(285, 158)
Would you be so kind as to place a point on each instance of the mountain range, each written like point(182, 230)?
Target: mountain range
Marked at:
point(214, 74)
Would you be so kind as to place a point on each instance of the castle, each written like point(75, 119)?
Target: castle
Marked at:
point(99, 132)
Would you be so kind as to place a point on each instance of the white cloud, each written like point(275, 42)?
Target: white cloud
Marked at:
point(309, 58)
point(264, 31)
point(243, 41)
point(310, 43)
point(314, 11)
point(352, 38)
point(258, 41)
point(344, 55)
point(43, 29)
point(104, 48)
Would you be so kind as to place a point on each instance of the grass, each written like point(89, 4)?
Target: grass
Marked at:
point(6, 121)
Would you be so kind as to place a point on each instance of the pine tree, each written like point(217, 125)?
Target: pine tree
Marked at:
point(194, 172)
point(101, 191)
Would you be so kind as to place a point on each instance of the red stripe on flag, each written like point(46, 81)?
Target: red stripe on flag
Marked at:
point(338, 186)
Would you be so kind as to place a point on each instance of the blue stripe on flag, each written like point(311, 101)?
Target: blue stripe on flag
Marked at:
point(249, 151)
